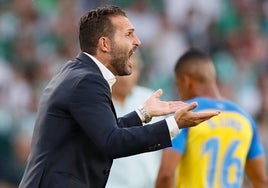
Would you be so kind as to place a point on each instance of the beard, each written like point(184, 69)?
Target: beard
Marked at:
point(119, 60)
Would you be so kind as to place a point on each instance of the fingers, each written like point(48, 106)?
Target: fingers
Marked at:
point(208, 114)
point(184, 108)
point(203, 116)
point(158, 93)
point(191, 106)
point(186, 118)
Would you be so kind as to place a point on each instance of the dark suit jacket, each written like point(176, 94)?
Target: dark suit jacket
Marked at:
point(77, 134)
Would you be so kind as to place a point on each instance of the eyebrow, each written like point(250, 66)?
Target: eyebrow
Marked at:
point(132, 29)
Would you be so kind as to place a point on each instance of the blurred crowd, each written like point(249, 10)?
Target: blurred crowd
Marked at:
point(38, 36)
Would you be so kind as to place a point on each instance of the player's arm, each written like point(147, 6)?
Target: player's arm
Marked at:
point(166, 173)
point(255, 166)
point(255, 170)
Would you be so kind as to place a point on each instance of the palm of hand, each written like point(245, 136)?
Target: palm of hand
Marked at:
point(155, 107)
point(186, 118)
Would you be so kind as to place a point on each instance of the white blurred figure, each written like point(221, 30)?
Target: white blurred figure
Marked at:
point(169, 44)
point(145, 20)
point(208, 10)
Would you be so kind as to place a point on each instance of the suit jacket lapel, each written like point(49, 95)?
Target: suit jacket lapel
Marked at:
point(83, 57)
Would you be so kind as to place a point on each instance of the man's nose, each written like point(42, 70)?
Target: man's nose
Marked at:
point(137, 41)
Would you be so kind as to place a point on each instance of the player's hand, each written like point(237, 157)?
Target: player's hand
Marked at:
point(186, 118)
point(155, 107)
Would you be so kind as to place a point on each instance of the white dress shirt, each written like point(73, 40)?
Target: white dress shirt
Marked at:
point(110, 78)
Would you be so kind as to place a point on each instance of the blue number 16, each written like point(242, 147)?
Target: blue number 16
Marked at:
point(229, 160)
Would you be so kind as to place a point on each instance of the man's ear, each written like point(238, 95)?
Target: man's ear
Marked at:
point(104, 44)
point(190, 82)
point(187, 79)
point(182, 79)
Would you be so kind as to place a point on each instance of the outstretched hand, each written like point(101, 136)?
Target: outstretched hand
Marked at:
point(155, 107)
point(186, 118)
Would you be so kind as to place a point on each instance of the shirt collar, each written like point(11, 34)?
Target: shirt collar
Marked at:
point(107, 74)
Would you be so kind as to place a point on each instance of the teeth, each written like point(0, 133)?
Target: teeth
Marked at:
point(133, 51)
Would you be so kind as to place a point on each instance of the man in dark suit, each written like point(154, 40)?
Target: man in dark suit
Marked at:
point(77, 134)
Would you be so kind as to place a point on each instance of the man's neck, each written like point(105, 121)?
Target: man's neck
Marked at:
point(210, 91)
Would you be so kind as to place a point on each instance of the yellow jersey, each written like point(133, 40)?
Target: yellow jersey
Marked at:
point(214, 152)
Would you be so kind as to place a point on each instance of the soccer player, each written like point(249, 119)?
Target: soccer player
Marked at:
point(215, 153)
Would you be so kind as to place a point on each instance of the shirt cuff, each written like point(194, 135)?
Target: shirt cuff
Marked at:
point(140, 115)
point(172, 127)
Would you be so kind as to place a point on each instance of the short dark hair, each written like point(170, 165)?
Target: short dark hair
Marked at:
point(95, 24)
point(190, 56)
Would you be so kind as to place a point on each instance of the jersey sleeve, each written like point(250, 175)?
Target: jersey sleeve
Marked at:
point(256, 148)
point(179, 142)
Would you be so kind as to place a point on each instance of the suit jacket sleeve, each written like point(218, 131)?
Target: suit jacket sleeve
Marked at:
point(91, 106)
point(129, 120)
